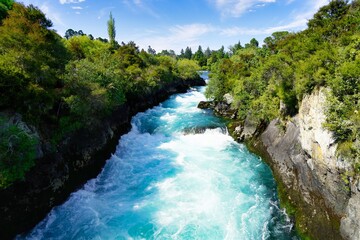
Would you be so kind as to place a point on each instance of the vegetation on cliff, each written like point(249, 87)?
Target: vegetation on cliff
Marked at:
point(270, 82)
point(61, 84)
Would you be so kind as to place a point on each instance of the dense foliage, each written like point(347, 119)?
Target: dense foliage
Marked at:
point(290, 65)
point(17, 152)
point(60, 84)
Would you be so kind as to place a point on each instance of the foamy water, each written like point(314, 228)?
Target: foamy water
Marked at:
point(164, 184)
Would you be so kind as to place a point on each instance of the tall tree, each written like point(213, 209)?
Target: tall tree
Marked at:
point(207, 52)
point(151, 50)
point(111, 30)
point(253, 44)
point(233, 49)
point(188, 53)
point(182, 53)
point(69, 33)
point(199, 57)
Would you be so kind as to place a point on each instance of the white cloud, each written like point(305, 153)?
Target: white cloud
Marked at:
point(178, 37)
point(135, 5)
point(235, 8)
point(70, 1)
point(52, 15)
point(104, 12)
point(77, 8)
point(191, 31)
point(297, 23)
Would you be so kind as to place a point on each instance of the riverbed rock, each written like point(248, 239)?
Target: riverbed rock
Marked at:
point(206, 105)
point(249, 129)
point(225, 110)
point(202, 129)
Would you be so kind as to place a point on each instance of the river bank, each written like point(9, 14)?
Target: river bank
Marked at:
point(79, 158)
point(309, 173)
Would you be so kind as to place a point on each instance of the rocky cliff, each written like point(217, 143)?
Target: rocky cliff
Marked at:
point(303, 158)
point(310, 175)
point(78, 158)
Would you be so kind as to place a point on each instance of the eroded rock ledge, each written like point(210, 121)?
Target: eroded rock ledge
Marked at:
point(78, 158)
point(302, 155)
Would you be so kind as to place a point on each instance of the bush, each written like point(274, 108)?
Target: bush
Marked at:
point(187, 69)
point(17, 153)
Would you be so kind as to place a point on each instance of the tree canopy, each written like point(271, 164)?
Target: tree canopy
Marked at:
point(291, 65)
point(60, 85)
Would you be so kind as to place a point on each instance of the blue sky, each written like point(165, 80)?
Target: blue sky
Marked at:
point(175, 24)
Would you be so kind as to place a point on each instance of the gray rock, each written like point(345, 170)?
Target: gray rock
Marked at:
point(228, 99)
point(206, 105)
point(250, 127)
point(350, 223)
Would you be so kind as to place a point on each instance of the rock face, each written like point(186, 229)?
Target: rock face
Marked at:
point(78, 158)
point(303, 158)
point(350, 223)
point(315, 140)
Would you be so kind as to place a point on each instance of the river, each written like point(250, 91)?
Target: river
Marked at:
point(176, 175)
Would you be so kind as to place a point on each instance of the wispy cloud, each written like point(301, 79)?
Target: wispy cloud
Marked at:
point(178, 36)
point(236, 8)
point(51, 14)
point(77, 8)
point(191, 31)
point(70, 1)
point(136, 5)
point(104, 12)
point(298, 22)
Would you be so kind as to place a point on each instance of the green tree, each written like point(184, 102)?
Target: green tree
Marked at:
point(17, 152)
point(83, 47)
point(187, 69)
point(111, 30)
point(252, 44)
point(207, 53)
point(32, 57)
point(5, 6)
point(188, 53)
point(200, 57)
point(233, 49)
point(272, 41)
point(151, 50)
point(331, 12)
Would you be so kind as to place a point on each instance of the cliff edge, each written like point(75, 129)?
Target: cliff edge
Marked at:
point(303, 157)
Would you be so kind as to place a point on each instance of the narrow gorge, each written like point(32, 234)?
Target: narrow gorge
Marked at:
point(176, 175)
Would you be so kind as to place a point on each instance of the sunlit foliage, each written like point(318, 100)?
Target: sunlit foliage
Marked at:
point(291, 65)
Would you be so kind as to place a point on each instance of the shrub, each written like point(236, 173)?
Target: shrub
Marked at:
point(17, 153)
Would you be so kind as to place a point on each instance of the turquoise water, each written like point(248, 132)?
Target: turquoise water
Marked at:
point(171, 178)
